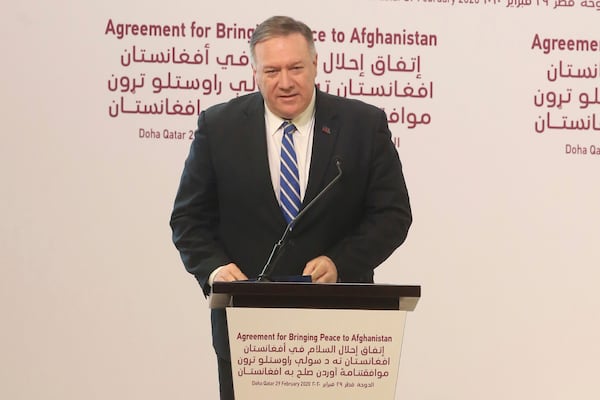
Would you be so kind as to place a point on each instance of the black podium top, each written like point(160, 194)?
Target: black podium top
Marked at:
point(368, 296)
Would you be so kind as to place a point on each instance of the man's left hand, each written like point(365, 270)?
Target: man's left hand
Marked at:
point(322, 270)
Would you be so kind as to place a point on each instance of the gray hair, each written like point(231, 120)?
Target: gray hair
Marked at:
point(280, 26)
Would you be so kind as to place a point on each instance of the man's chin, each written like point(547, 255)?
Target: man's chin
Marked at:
point(288, 110)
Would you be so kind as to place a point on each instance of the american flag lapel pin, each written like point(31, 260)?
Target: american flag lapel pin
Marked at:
point(325, 129)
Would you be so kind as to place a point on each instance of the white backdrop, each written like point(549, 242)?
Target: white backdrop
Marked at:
point(502, 175)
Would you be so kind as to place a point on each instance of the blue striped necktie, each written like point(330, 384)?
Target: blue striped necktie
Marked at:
point(289, 181)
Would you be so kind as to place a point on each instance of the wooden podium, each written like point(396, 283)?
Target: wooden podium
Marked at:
point(318, 341)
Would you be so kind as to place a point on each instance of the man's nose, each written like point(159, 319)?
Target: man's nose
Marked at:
point(285, 82)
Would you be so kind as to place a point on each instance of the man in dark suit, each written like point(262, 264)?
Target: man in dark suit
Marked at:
point(227, 214)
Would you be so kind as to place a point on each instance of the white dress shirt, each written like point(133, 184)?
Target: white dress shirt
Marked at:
point(303, 140)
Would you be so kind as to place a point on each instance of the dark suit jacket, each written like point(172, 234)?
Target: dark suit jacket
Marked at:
point(226, 210)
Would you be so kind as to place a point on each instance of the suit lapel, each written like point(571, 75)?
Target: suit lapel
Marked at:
point(259, 159)
point(324, 139)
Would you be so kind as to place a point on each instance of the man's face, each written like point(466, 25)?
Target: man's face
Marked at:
point(285, 73)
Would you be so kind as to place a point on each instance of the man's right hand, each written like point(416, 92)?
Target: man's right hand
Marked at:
point(229, 273)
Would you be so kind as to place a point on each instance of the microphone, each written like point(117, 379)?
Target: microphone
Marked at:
point(280, 245)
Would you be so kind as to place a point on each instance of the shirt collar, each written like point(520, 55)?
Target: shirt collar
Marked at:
point(301, 122)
